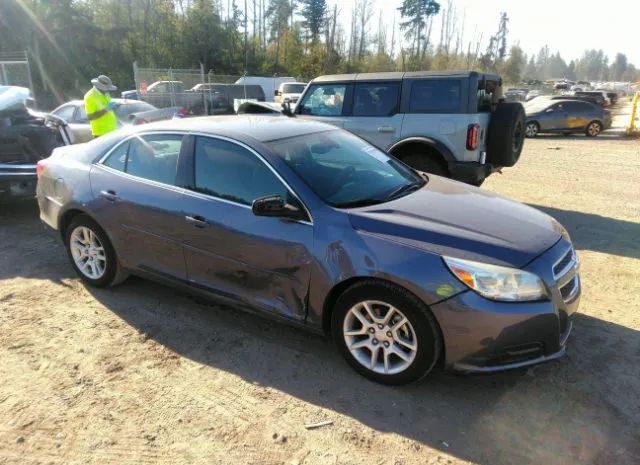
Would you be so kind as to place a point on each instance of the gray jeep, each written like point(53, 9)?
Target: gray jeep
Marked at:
point(451, 123)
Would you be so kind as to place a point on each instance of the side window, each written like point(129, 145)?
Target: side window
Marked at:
point(435, 96)
point(228, 171)
point(66, 112)
point(81, 115)
point(118, 158)
point(379, 99)
point(154, 157)
point(324, 100)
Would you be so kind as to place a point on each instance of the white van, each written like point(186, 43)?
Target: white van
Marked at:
point(268, 84)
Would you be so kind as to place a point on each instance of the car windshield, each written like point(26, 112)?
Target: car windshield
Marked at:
point(293, 88)
point(123, 111)
point(345, 171)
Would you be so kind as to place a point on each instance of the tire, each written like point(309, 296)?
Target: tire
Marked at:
point(107, 272)
point(426, 163)
point(505, 137)
point(532, 129)
point(421, 331)
point(594, 128)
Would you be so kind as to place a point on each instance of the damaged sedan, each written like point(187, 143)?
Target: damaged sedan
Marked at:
point(307, 223)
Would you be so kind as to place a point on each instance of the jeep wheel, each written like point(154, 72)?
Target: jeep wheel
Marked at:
point(506, 134)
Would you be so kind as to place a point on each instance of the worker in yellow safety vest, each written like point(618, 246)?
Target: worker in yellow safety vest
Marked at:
point(99, 106)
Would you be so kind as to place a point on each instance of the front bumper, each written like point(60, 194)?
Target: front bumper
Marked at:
point(485, 336)
point(17, 181)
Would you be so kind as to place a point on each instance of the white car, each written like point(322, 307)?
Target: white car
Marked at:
point(127, 112)
point(289, 92)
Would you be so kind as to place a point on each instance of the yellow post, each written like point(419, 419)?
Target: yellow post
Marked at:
point(634, 109)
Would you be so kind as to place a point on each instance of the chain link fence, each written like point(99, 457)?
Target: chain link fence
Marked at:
point(15, 69)
point(200, 93)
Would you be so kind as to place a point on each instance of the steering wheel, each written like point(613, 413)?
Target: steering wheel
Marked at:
point(341, 180)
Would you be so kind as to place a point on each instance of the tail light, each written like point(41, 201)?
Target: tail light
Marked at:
point(182, 112)
point(141, 121)
point(40, 168)
point(473, 134)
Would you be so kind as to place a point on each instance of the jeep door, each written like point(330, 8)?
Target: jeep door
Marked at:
point(375, 112)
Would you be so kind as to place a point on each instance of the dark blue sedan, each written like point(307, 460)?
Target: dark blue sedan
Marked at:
point(310, 224)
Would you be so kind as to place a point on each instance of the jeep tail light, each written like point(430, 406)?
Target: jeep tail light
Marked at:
point(39, 168)
point(473, 133)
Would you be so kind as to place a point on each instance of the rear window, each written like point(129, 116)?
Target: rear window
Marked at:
point(435, 96)
point(293, 88)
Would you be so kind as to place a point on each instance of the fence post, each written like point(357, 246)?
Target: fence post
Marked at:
point(204, 91)
point(634, 109)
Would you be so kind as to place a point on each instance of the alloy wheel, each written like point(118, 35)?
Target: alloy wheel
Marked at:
point(380, 337)
point(594, 129)
point(88, 252)
point(531, 130)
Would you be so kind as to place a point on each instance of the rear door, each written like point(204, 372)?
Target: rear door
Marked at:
point(259, 261)
point(577, 114)
point(436, 108)
point(326, 102)
point(139, 201)
point(375, 112)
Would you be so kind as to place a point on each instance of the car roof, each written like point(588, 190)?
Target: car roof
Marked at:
point(399, 75)
point(263, 128)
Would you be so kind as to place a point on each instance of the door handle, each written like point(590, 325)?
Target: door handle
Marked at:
point(386, 129)
point(109, 195)
point(197, 220)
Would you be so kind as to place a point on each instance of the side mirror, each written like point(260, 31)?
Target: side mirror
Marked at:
point(286, 108)
point(276, 93)
point(274, 205)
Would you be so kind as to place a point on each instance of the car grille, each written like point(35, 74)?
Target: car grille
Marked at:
point(563, 265)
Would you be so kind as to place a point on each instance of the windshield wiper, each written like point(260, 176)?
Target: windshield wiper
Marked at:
point(405, 189)
point(359, 203)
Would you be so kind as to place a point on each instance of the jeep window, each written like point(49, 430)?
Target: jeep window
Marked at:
point(380, 99)
point(486, 90)
point(324, 100)
point(435, 96)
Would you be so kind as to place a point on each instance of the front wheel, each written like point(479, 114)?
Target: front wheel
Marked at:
point(385, 333)
point(532, 129)
point(593, 129)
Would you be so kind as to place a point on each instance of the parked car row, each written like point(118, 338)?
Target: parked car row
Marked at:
point(565, 116)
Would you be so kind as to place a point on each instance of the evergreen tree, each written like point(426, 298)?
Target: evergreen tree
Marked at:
point(416, 13)
point(314, 13)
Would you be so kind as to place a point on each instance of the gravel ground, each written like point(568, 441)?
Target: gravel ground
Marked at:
point(144, 374)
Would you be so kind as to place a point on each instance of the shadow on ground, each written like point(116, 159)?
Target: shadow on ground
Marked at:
point(598, 233)
point(577, 410)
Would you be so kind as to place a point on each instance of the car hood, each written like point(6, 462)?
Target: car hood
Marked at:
point(462, 221)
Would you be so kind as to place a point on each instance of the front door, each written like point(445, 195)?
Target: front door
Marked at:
point(259, 261)
point(325, 102)
point(555, 118)
point(137, 197)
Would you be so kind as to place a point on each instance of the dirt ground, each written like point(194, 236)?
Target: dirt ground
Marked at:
point(144, 374)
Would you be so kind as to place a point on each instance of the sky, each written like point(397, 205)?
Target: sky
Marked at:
point(567, 26)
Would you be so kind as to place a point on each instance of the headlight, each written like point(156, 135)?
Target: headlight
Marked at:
point(498, 282)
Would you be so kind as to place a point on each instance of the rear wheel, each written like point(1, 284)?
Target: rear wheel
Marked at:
point(505, 136)
point(385, 333)
point(594, 128)
point(91, 253)
point(532, 129)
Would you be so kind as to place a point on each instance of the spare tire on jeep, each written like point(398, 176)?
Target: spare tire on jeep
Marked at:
point(506, 134)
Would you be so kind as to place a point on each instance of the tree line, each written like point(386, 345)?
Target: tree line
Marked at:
point(71, 41)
